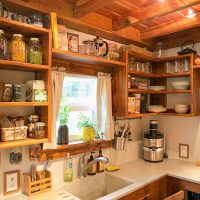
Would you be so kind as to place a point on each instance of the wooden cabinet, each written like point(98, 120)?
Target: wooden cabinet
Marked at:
point(159, 77)
point(153, 191)
point(23, 70)
point(174, 185)
point(163, 188)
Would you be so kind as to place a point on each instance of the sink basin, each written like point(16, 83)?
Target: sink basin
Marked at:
point(94, 187)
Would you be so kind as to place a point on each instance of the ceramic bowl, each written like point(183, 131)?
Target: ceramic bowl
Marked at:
point(181, 110)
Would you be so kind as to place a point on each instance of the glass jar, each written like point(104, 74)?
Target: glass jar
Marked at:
point(18, 48)
point(34, 51)
point(3, 46)
point(88, 47)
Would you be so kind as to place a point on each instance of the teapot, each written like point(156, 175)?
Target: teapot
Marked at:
point(186, 50)
point(99, 46)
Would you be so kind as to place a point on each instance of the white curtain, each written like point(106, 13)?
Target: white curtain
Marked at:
point(57, 79)
point(104, 105)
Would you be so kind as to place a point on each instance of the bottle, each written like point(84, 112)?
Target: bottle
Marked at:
point(137, 103)
point(100, 165)
point(129, 81)
point(93, 169)
point(68, 169)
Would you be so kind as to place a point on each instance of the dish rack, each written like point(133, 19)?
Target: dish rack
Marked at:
point(42, 184)
point(15, 133)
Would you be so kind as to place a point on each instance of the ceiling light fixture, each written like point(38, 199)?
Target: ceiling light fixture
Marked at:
point(190, 14)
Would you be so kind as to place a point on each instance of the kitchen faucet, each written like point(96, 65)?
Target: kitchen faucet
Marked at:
point(83, 167)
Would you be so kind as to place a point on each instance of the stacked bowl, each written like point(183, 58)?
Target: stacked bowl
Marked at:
point(156, 108)
point(181, 108)
point(181, 85)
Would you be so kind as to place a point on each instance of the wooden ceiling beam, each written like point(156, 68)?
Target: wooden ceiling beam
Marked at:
point(180, 25)
point(124, 22)
point(84, 7)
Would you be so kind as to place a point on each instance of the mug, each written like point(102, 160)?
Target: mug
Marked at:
point(2, 9)
point(35, 19)
point(16, 17)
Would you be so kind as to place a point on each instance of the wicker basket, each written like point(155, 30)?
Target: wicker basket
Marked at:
point(43, 184)
point(17, 133)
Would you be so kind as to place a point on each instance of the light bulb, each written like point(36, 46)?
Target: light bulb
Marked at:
point(190, 14)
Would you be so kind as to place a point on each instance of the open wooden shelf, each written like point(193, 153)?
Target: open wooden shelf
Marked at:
point(196, 66)
point(77, 147)
point(183, 74)
point(142, 57)
point(169, 113)
point(172, 112)
point(148, 75)
point(6, 104)
point(70, 56)
point(18, 143)
point(140, 115)
point(157, 60)
point(12, 65)
point(158, 92)
point(23, 28)
point(172, 58)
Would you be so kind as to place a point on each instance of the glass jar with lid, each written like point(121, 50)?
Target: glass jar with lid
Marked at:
point(3, 46)
point(18, 48)
point(34, 51)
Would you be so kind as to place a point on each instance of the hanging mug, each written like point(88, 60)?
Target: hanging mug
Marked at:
point(35, 20)
point(2, 9)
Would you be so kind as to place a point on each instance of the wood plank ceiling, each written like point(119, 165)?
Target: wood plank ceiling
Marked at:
point(153, 18)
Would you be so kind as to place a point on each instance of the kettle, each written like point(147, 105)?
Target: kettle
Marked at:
point(187, 50)
point(99, 44)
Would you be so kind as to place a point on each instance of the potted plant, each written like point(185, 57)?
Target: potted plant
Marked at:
point(86, 126)
point(63, 135)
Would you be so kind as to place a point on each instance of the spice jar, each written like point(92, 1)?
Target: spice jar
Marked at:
point(34, 51)
point(8, 93)
point(3, 46)
point(18, 48)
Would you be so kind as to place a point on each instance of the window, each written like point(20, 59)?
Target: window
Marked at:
point(79, 93)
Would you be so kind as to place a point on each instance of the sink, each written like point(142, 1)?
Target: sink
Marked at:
point(94, 187)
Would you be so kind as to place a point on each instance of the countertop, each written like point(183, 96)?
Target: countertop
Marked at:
point(140, 173)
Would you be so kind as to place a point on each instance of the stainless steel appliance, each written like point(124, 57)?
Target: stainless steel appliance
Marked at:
point(153, 143)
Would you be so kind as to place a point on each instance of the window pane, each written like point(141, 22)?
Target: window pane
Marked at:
point(81, 91)
point(80, 94)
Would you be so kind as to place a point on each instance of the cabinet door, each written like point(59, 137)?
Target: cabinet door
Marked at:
point(153, 191)
point(146, 197)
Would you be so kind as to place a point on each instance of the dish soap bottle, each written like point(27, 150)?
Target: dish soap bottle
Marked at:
point(68, 169)
point(93, 169)
point(100, 165)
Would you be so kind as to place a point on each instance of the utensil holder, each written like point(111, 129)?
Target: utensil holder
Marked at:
point(36, 187)
point(119, 143)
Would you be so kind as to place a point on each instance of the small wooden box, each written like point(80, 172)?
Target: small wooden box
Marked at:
point(39, 186)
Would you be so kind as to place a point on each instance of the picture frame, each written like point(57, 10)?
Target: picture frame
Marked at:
point(183, 150)
point(11, 182)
